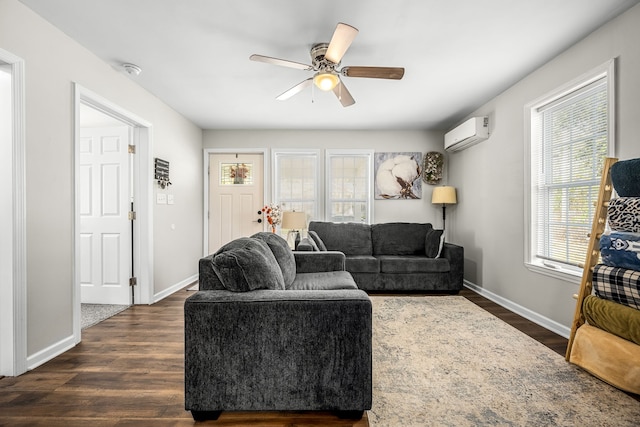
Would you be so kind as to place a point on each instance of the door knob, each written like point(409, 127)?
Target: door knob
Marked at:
point(259, 220)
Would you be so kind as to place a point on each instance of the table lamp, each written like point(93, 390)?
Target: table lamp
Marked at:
point(294, 222)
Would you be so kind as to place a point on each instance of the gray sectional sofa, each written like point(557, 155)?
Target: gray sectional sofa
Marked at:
point(271, 330)
point(396, 256)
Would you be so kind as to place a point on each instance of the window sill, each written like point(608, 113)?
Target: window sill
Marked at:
point(557, 273)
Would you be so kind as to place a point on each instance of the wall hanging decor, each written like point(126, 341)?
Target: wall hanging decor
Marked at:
point(398, 175)
point(236, 173)
point(162, 172)
point(432, 167)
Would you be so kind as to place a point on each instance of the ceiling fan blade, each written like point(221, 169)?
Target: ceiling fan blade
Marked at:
point(340, 42)
point(281, 62)
point(344, 96)
point(394, 73)
point(294, 90)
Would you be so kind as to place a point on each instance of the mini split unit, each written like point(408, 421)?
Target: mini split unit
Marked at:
point(471, 132)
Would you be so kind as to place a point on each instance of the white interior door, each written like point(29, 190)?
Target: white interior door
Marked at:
point(236, 194)
point(105, 229)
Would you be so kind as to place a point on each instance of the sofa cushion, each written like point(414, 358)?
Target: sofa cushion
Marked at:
point(413, 264)
point(283, 254)
point(314, 236)
point(399, 238)
point(326, 280)
point(246, 264)
point(433, 243)
point(351, 238)
point(362, 264)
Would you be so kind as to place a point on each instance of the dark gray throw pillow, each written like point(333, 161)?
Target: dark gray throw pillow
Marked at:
point(317, 240)
point(314, 245)
point(433, 242)
point(247, 264)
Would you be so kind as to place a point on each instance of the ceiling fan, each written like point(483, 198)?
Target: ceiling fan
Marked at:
point(325, 58)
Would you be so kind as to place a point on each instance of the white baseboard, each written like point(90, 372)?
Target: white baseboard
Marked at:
point(531, 315)
point(175, 288)
point(68, 343)
point(50, 352)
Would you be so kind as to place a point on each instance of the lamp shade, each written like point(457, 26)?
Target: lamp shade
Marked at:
point(294, 220)
point(444, 195)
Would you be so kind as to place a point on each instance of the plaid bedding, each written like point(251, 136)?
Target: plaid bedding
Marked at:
point(617, 284)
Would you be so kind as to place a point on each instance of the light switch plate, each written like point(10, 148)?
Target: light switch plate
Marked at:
point(169, 199)
point(161, 199)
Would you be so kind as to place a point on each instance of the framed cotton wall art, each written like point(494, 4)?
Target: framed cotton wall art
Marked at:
point(398, 176)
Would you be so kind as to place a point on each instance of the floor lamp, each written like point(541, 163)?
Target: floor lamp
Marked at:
point(294, 222)
point(444, 195)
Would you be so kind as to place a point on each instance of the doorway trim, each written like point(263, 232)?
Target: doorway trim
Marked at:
point(266, 182)
point(143, 191)
point(13, 336)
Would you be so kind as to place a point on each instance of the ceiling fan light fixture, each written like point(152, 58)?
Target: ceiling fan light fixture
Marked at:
point(326, 81)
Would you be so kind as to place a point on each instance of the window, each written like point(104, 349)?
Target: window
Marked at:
point(570, 133)
point(296, 179)
point(348, 195)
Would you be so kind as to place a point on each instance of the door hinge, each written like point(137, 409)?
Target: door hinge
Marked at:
point(133, 281)
point(132, 149)
point(132, 215)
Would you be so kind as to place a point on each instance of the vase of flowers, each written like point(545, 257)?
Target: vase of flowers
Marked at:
point(273, 214)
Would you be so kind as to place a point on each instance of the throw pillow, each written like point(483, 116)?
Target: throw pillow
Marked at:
point(314, 245)
point(247, 264)
point(282, 253)
point(314, 236)
point(433, 242)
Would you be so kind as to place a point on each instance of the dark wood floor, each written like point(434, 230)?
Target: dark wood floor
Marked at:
point(128, 371)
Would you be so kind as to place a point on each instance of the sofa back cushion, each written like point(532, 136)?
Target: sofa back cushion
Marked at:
point(282, 253)
point(399, 238)
point(350, 238)
point(246, 264)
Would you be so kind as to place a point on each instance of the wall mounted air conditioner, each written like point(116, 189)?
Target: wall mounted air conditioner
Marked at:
point(471, 132)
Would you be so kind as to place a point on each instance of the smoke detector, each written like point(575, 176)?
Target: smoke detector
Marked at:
point(132, 69)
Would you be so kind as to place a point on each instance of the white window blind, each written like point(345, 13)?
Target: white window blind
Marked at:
point(569, 141)
point(296, 178)
point(349, 186)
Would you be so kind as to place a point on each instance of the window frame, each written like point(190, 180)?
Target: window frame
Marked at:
point(532, 262)
point(333, 153)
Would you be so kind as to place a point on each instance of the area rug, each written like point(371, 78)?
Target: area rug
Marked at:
point(443, 361)
point(92, 314)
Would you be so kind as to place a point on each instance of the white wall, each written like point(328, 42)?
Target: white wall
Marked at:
point(53, 62)
point(489, 219)
point(420, 210)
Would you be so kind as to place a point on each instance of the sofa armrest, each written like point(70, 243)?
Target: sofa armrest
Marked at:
point(455, 255)
point(278, 350)
point(314, 262)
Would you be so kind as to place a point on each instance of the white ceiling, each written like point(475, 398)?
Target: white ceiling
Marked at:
point(458, 54)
